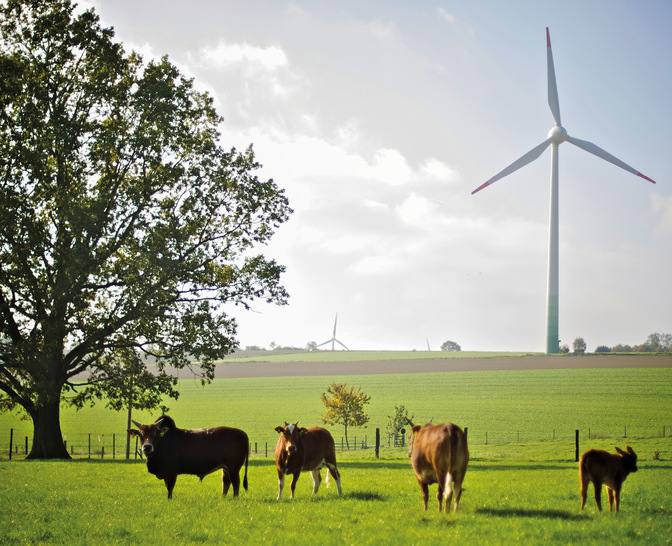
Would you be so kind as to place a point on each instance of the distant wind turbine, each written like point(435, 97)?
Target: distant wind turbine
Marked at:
point(556, 136)
point(333, 339)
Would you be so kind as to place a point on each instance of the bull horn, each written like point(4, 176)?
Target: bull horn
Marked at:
point(136, 423)
point(409, 422)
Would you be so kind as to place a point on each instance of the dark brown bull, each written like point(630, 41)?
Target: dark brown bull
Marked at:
point(171, 451)
point(439, 454)
point(305, 449)
point(603, 468)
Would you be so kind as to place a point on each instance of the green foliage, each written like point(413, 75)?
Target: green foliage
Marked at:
point(125, 224)
point(344, 405)
point(579, 346)
point(602, 349)
point(398, 420)
point(450, 346)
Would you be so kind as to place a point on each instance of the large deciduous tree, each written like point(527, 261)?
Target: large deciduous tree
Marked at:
point(124, 223)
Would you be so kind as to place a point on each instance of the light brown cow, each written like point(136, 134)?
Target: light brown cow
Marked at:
point(603, 468)
point(439, 454)
point(305, 449)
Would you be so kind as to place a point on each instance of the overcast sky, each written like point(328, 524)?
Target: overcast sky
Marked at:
point(379, 118)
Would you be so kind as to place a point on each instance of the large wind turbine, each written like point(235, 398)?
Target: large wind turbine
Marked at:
point(556, 136)
point(333, 338)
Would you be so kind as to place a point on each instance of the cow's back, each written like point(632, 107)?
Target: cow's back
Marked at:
point(203, 451)
point(318, 445)
point(440, 448)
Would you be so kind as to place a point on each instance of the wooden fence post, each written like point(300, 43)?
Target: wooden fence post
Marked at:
point(576, 455)
point(377, 443)
point(11, 440)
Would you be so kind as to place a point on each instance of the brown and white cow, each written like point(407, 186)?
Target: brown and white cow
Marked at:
point(439, 454)
point(308, 449)
point(171, 451)
point(603, 468)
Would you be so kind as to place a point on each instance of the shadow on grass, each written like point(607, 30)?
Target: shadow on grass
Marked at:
point(531, 513)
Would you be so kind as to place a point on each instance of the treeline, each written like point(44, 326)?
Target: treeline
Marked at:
point(655, 343)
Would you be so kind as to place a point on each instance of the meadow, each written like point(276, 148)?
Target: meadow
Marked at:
point(521, 486)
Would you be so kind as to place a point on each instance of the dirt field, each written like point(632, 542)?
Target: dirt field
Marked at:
point(265, 369)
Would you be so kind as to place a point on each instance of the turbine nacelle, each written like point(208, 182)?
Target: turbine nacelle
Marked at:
point(557, 135)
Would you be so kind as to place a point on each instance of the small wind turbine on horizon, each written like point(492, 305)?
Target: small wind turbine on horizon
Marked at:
point(333, 340)
point(556, 136)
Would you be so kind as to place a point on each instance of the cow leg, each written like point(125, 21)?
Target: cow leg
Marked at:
point(295, 479)
point(235, 481)
point(448, 491)
point(336, 475)
point(457, 481)
point(316, 480)
point(281, 484)
point(425, 494)
point(170, 485)
point(598, 494)
point(610, 492)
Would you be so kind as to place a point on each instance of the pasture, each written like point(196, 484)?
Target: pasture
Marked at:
point(521, 485)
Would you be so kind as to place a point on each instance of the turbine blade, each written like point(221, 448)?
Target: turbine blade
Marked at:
point(529, 157)
point(553, 101)
point(599, 152)
point(335, 322)
point(328, 341)
point(342, 345)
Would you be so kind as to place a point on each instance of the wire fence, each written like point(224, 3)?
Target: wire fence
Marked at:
point(113, 445)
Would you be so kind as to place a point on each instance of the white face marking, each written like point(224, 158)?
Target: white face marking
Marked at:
point(291, 428)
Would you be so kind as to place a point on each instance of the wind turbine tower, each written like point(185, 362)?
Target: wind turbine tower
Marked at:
point(333, 339)
point(556, 136)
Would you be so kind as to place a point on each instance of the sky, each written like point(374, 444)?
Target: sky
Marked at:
point(379, 118)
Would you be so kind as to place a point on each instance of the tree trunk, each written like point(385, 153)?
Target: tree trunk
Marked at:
point(346, 436)
point(47, 436)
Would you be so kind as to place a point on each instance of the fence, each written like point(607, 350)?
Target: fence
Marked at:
point(113, 446)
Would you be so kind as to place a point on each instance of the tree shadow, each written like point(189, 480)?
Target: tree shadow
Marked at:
point(532, 513)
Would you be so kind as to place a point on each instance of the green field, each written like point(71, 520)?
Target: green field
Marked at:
point(521, 486)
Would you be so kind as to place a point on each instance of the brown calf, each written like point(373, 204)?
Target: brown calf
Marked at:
point(171, 451)
point(304, 449)
point(439, 454)
point(600, 467)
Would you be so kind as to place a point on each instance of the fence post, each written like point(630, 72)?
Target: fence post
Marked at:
point(377, 443)
point(625, 431)
point(576, 455)
point(466, 433)
point(486, 438)
point(27, 442)
point(11, 440)
point(267, 449)
point(102, 452)
point(113, 445)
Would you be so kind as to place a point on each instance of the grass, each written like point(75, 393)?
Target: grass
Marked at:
point(500, 408)
point(83, 502)
point(521, 486)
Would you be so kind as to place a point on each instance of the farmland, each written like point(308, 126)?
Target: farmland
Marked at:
point(522, 484)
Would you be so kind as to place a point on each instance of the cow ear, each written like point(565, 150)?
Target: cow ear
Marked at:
point(303, 430)
point(416, 429)
point(279, 429)
point(619, 451)
point(133, 433)
point(630, 450)
point(162, 431)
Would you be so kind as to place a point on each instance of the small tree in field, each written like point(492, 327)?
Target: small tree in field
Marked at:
point(450, 346)
point(397, 420)
point(344, 406)
point(579, 346)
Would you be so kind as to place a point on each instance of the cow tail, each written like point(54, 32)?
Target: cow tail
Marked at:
point(247, 457)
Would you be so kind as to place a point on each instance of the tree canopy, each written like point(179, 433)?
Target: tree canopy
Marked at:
point(344, 405)
point(124, 223)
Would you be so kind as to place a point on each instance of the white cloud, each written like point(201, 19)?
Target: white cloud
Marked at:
point(448, 17)
point(268, 58)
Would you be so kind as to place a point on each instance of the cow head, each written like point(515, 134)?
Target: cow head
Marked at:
point(291, 434)
point(150, 435)
point(629, 459)
point(413, 434)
